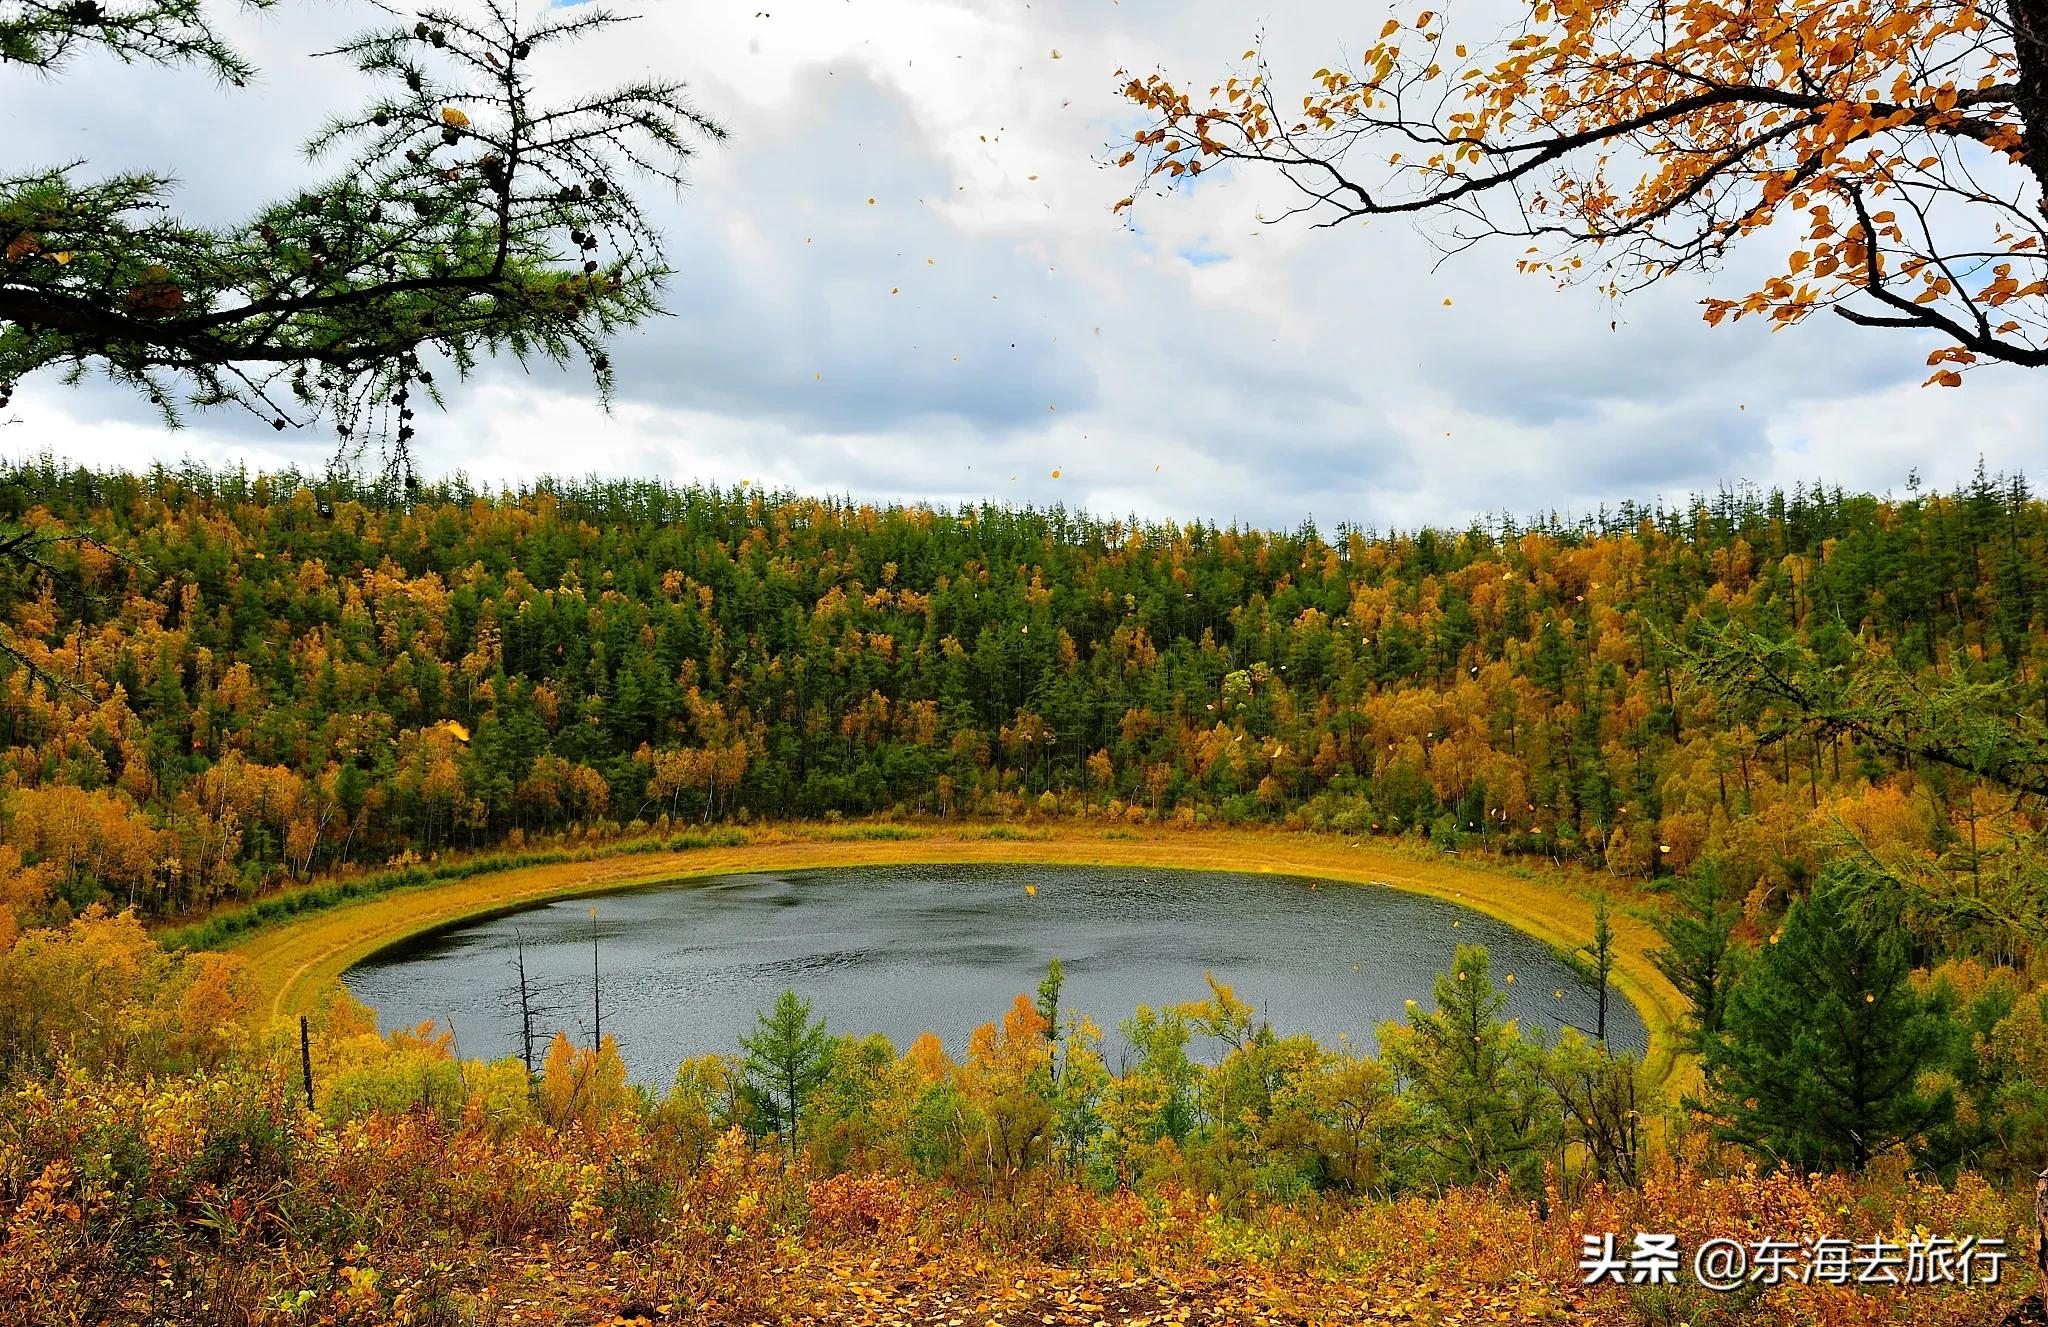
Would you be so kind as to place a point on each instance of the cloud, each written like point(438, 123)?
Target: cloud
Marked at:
point(820, 282)
point(987, 320)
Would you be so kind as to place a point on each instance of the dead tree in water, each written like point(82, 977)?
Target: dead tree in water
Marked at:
point(596, 998)
point(529, 1007)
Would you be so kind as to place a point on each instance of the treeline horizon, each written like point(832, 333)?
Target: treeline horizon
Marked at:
point(216, 681)
point(1733, 506)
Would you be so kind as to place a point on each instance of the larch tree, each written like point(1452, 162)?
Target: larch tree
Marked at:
point(788, 1057)
point(1898, 149)
point(1825, 1042)
point(1992, 898)
point(1700, 954)
point(461, 216)
point(1480, 1105)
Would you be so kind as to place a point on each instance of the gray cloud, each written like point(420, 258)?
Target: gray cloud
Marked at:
point(1195, 364)
point(800, 300)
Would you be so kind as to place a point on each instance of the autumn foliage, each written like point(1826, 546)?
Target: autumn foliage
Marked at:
point(427, 1190)
point(242, 683)
point(235, 685)
point(1896, 153)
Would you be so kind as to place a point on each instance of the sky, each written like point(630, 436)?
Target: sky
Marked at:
point(1186, 361)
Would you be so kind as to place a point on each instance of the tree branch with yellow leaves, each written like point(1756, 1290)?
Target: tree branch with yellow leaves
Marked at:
point(1898, 148)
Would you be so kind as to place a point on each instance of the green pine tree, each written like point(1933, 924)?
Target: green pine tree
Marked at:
point(1482, 1108)
point(457, 215)
point(1700, 955)
point(787, 1059)
point(1819, 1057)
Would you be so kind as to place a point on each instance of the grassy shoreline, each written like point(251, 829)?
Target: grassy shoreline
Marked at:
point(296, 950)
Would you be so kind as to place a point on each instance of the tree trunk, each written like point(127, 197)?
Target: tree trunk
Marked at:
point(2030, 44)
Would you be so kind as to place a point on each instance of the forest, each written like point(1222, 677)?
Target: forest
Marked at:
point(220, 682)
point(1797, 735)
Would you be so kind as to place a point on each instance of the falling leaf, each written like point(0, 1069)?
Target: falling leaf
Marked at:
point(453, 118)
point(1031, 889)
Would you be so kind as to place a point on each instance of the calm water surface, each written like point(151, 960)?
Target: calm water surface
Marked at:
point(683, 968)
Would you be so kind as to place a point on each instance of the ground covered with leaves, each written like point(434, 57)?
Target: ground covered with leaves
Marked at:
point(221, 1201)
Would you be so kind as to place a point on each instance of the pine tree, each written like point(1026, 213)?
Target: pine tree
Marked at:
point(1823, 1044)
point(1700, 955)
point(1482, 1108)
point(458, 216)
point(787, 1058)
point(1593, 963)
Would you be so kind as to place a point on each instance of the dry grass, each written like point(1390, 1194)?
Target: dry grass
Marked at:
point(293, 963)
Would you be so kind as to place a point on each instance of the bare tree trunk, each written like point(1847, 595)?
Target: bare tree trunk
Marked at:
point(525, 1008)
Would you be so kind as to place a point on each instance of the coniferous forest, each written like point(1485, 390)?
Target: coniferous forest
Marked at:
point(222, 682)
point(1783, 751)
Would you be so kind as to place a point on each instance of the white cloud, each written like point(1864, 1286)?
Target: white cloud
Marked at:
point(1194, 364)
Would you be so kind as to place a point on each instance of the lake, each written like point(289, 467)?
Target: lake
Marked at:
point(683, 967)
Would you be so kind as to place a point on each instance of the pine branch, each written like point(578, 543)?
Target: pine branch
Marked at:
point(465, 221)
